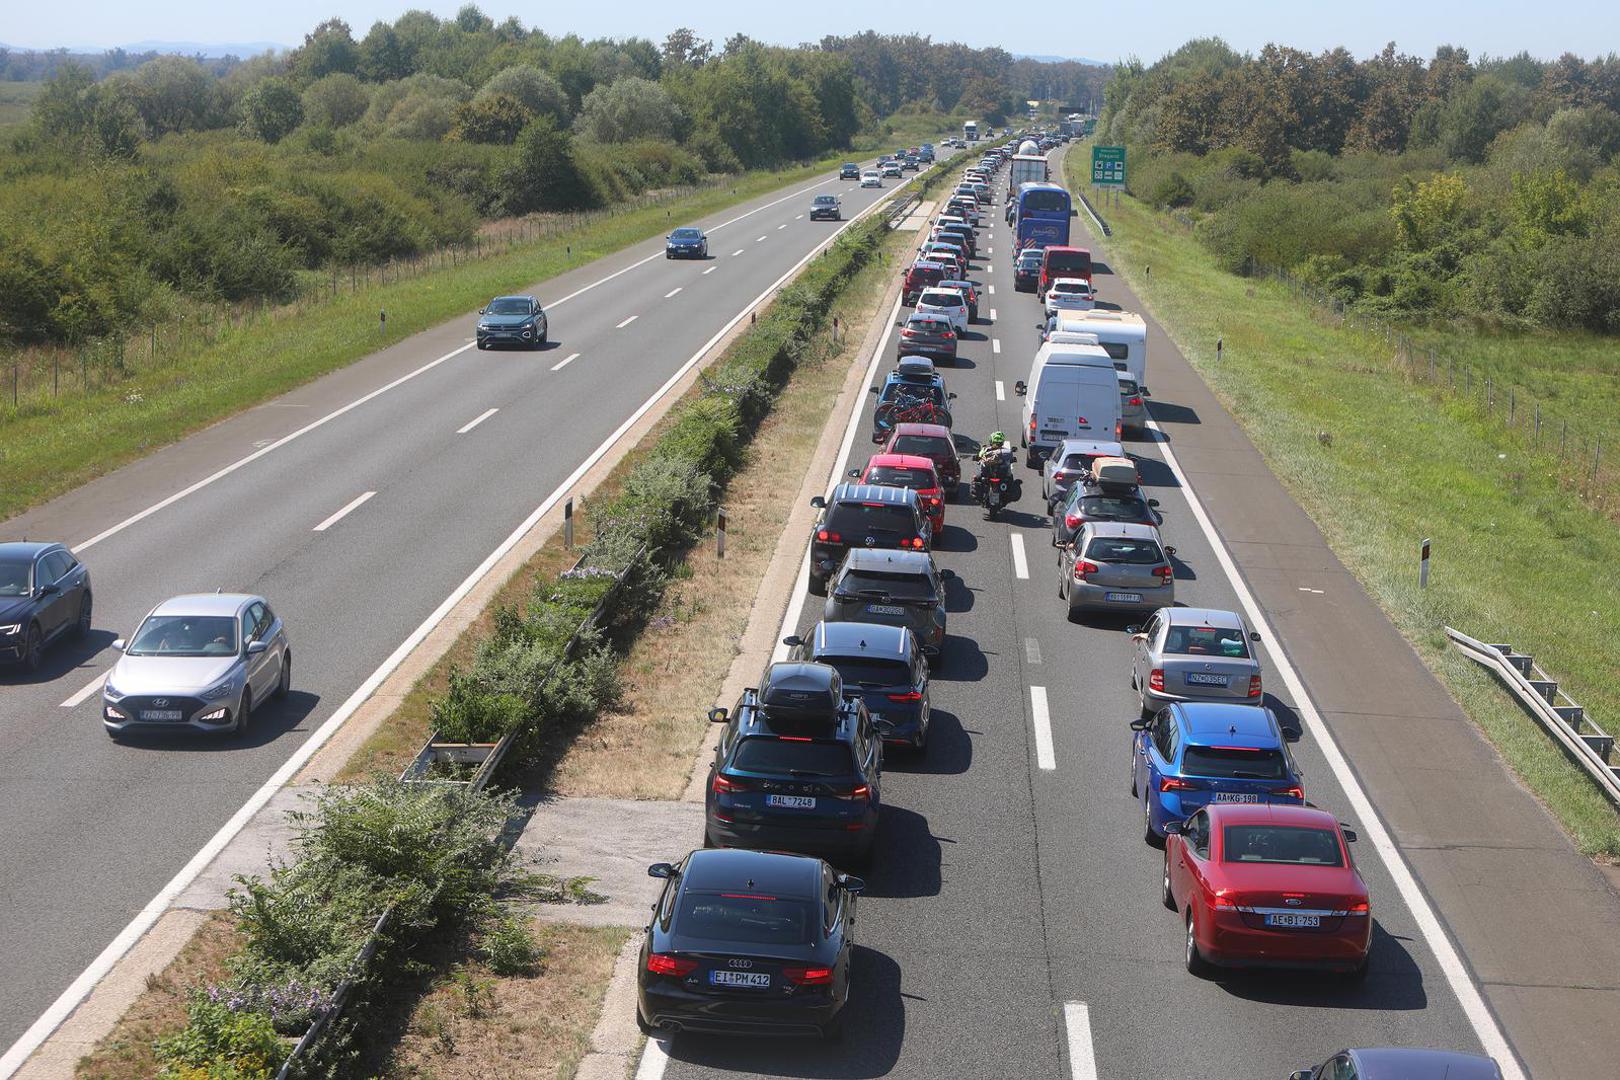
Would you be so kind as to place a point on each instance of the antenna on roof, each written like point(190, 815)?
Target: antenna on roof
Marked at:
point(218, 590)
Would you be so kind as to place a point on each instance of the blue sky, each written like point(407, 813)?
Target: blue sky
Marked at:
point(1105, 31)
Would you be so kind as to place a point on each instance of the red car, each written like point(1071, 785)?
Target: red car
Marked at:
point(920, 275)
point(1267, 885)
point(932, 441)
point(908, 471)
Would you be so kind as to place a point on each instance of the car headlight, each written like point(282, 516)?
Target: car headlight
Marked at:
point(224, 689)
point(10, 628)
point(110, 691)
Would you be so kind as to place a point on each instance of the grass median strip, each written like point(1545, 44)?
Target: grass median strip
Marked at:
point(1517, 557)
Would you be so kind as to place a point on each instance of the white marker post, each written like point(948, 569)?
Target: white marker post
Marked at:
point(1423, 567)
point(720, 533)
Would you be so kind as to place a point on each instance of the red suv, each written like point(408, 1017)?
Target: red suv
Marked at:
point(932, 441)
point(908, 471)
point(921, 275)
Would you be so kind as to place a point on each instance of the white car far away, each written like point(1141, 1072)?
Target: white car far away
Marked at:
point(1070, 294)
point(947, 304)
point(871, 179)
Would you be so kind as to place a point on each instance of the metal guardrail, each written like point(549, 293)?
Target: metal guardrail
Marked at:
point(1096, 218)
point(1589, 745)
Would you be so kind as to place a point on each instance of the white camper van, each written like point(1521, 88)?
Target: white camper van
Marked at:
point(1122, 334)
point(1072, 393)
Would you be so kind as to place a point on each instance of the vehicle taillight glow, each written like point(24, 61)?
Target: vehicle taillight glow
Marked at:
point(1156, 680)
point(1164, 572)
point(827, 537)
point(909, 695)
point(1254, 686)
point(916, 542)
point(795, 738)
point(1082, 568)
point(1293, 792)
point(1359, 908)
point(1072, 520)
point(725, 785)
point(1134, 401)
point(1224, 901)
point(799, 975)
point(949, 335)
point(1171, 783)
point(859, 791)
point(908, 332)
point(665, 964)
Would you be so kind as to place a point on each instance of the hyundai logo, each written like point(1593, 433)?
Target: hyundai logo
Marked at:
point(160, 701)
point(740, 964)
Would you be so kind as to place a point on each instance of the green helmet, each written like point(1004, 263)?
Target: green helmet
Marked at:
point(997, 438)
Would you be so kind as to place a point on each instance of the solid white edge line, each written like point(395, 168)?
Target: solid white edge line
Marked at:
point(352, 506)
point(80, 988)
point(654, 1058)
point(83, 695)
point(1020, 561)
point(1001, 390)
point(1082, 1056)
point(565, 361)
point(1041, 716)
point(627, 322)
point(1457, 976)
point(262, 451)
point(672, 292)
point(485, 415)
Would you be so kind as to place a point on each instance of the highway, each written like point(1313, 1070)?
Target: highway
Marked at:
point(356, 504)
point(1012, 924)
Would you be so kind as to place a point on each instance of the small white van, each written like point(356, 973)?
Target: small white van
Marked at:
point(1123, 334)
point(1072, 393)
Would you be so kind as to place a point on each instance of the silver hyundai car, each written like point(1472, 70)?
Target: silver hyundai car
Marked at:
point(201, 662)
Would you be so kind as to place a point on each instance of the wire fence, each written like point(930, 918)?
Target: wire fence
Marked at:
point(1580, 451)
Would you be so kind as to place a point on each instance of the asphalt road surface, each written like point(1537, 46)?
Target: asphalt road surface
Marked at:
point(456, 455)
point(1012, 924)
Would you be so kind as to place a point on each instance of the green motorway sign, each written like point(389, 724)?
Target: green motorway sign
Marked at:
point(1108, 166)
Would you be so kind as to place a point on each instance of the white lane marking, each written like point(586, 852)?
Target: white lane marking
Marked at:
point(711, 269)
point(1032, 650)
point(757, 239)
point(672, 292)
point(654, 1059)
point(734, 254)
point(627, 322)
point(1020, 562)
point(989, 251)
point(992, 314)
point(1082, 1056)
point(989, 269)
point(797, 217)
point(79, 698)
point(143, 921)
point(257, 454)
point(1307, 588)
point(474, 423)
point(1001, 390)
point(1372, 826)
point(995, 345)
point(1042, 716)
point(345, 512)
point(782, 226)
point(565, 361)
point(992, 289)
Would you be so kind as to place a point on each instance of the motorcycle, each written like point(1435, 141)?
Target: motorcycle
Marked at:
point(994, 487)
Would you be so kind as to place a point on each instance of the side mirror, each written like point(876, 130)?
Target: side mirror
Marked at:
point(1073, 212)
point(1172, 828)
point(255, 648)
point(856, 473)
point(1169, 550)
point(718, 715)
point(1140, 723)
point(1153, 502)
point(793, 641)
point(1350, 836)
point(1019, 388)
point(1135, 629)
point(950, 397)
point(120, 644)
point(1301, 1074)
point(1254, 635)
point(947, 575)
point(874, 389)
point(1144, 391)
point(819, 502)
point(851, 884)
point(480, 311)
point(661, 870)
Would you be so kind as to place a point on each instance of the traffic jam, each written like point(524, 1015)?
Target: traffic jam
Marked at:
point(754, 933)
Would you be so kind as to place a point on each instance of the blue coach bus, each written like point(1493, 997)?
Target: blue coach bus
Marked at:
point(1041, 215)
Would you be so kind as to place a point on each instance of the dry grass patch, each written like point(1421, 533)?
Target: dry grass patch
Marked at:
point(126, 1052)
point(474, 1024)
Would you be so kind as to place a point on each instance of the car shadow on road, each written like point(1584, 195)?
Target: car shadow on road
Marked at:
point(958, 596)
point(954, 538)
point(1023, 519)
point(1168, 412)
point(1293, 728)
point(1154, 473)
point(1183, 570)
point(959, 661)
point(1098, 267)
point(874, 1031)
point(949, 753)
point(1394, 983)
point(62, 658)
point(270, 722)
point(958, 363)
point(907, 861)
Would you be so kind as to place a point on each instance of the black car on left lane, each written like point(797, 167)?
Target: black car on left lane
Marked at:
point(44, 595)
point(748, 942)
point(512, 320)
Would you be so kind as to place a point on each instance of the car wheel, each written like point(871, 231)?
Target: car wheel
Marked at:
point(33, 649)
point(483, 344)
point(285, 685)
point(1358, 974)
point(817, 586)
point(642, 1025)
point(540, 341)
point(1196, 964)
point(834, 1031)
point(86, 613)
point(1165, 893)
point(1153, 839)
point(244, 715)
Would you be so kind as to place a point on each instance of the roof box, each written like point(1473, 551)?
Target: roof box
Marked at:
point(1114, 470)
point(801, 691)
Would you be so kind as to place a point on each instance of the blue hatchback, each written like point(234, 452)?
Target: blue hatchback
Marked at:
point(686, 243)
point(886, 663)
point(1194, 753)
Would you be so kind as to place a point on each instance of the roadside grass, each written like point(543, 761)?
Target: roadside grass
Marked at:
point(1516, 558)
point(126, 1052)
point(49, 447)
point(465, 1022)
point(16, 100)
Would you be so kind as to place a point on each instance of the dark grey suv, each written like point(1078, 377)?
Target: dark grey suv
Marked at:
point(512, 320)
point(894, 588)
point(44, 595)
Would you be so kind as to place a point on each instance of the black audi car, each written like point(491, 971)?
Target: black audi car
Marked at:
point(44, 595)
point(748, 943)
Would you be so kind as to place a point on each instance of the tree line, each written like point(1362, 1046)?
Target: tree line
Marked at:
point(1447, 187)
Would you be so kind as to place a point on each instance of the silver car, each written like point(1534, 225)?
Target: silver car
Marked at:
point(1132, 404)
point(1194, 654)
point(201, 662)
point(1072, 460)
point(895, 588)
point(1116, 566)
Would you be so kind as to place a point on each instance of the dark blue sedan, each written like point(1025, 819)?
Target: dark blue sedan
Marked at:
point(1402, 1063)
point(686, 243)
point(44, 595)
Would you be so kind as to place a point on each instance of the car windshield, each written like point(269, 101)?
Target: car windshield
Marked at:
point(792, 757)
point(14, 575)
point(1282, 844)
point(878, 520)
point(826, 200)
point(745, 918)
point(510, 305)
point(1206, 641)
point(686, 234)
point(1234, 763)
point(925, 445)
point(1124, 550)
point(893, 586)
point(1112, 508)
point(892, 476)
point(185, 635)
point(868, 671)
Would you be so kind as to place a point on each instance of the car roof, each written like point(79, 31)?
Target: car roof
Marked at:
point(1409, 1063)
point(1094, 447)
point(1212, 617)
point(889, 560)
point(780, 874)
point(204, 604)
point(849, 639)
point(1272, 814)
point(514, 297)
point(938, 431)
point(1070, 281)
point(1031, 254)
point(1129, 530)
point(951, 283)
point(873, 493)
point(1233, 724)
point(901, 461)
point(928, 264)
point(26, 549)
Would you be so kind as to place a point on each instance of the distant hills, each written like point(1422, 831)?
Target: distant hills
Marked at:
point(1061, 59)
point(180, 48)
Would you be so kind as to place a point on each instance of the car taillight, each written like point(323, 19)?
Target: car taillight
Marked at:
point(1254, 686)
point(827, 537)
point(664, 964)
point(909, 695)
point(1293, 792)
point(1032, 427)
point(908, 332)
point(725, 785)
point(1170, 783)
point(1222, 900)
point(950, 335)
point(916, 543)
point(933, 500)
point(1134, 401)
point(799, 975)
point(1156, 680)
point(1082, 568)
point(859, 791)
point(1072, 520)
point(1359, 908)
point(1163, 572)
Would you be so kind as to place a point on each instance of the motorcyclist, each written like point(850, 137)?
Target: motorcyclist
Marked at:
point(995, 456)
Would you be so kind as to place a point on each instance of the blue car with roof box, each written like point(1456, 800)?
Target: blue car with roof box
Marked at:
point(1190, 754)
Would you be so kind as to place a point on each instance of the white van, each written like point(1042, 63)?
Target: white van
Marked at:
point(1072, 393)
point(1122, 333)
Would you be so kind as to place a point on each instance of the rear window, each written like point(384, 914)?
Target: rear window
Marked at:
point(1127, 387)
point(941, 298)
point(1206, 641)
point(1233, 763)
point(928, 326)
point(1116, 350)
point(1029, 259)
point(895, 586)
point(1282, 844)
point(789, 757)
point(749, 918)
point(866, 671)
point(1122, 550)
point(1061, 262)
point(1110, 508)
point(890, 476)
point(884, 520)
point(924, 445)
